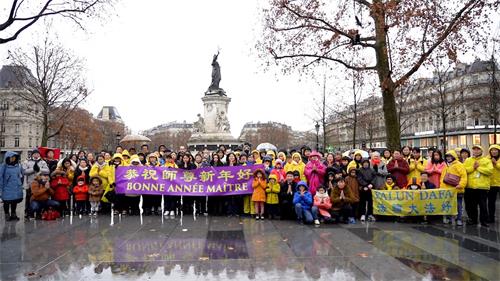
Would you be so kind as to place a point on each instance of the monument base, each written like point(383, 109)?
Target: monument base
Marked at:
point(212, 141)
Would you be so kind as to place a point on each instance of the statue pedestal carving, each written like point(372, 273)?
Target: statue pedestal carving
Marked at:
point(216, 128)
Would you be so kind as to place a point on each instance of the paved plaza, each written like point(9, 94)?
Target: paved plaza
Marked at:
point(220, 248)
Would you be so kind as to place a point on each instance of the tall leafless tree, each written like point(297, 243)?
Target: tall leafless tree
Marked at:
point(391, 38)
point(23, 14)
point(51, 78)
point(494, 97)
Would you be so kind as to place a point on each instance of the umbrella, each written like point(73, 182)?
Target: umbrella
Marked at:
point(364, 154)
point(134, 140)
point(266, 146)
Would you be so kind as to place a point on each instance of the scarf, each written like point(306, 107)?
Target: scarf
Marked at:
point(389, 186)
point(321, 195)
point(99, 165)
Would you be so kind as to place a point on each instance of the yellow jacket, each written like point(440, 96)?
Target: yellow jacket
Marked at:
point(294, 166)
point(256, 156)
point(104, 174)
point(170, 165)
point(455, 168)
point(478, 178)
point(353, 163)
point(416, 168)
point(495, 176)
point(111, 177)
point(272, 191)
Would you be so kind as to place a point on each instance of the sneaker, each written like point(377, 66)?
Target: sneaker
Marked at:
point(459, 223)
point(261, 218)
point(172, 213)
point(352, 220)
point(166, 213)
point(316, 222)
point(371, 218)
point(257, 218)
point(446, 220)
point(363, 218)
point(483, 224)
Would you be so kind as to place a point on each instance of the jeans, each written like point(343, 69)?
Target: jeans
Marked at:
point(308, 216)
point(343, 214)
point(37, 206)
point(460, 201)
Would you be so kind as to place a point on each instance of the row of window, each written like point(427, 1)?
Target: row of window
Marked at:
point(17, 128)
point(4, 142)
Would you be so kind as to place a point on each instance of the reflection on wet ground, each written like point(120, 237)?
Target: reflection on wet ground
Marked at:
point(219, 248)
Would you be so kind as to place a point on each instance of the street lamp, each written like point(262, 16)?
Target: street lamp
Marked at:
point(118, 138)
point(317, 135)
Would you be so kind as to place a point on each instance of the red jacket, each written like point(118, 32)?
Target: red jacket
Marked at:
point(399, 172)
point(280, 174)
point(60, 185)
point(81, 192)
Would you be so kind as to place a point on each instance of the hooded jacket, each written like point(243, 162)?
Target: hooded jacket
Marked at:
point(30, 170)
point(478, 178)
point(39, 192)
point(314, 177)
point(126, 162)
point(353, 186)
point(296, 166)
point(11, 179)
point(259, 187)
point(104, 173)
point(81, 192)
point(272, 190)
point(305, 200)
point(355, 164)
point(455, 168)
point(111, 178)
point(324, 204)
point(257, 159)
point(495, 176)
point(95, 192)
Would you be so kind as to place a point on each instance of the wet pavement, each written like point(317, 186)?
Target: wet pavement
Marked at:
point(221, 248)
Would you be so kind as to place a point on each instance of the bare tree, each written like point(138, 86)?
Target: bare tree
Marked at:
point(52, 78)
point(321, 110)
point(23, 14)
point(270, 132)
point(494, 98)
point(392, 38)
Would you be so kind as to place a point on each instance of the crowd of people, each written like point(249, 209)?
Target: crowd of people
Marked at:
point(302, 185)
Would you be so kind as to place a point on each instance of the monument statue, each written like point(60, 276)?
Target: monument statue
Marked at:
point(222, 122)
point(199, 126)
point(216, 77)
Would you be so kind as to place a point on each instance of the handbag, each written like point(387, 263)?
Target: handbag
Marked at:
point(451, 179)
point(50, 215)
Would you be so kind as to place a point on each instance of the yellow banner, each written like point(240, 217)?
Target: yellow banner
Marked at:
point(427, 202)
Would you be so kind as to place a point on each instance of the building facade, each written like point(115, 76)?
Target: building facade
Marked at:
point(464, 96)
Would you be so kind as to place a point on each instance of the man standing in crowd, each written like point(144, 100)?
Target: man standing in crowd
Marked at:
point(479, 170)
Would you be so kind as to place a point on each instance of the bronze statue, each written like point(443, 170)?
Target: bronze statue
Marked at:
point(216, 77)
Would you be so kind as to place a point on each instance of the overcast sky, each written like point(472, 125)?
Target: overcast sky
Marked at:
point(152, 61)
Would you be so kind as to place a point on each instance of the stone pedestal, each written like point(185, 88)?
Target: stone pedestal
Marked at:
point(217, 129)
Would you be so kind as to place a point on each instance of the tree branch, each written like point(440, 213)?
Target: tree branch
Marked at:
point(277, 57)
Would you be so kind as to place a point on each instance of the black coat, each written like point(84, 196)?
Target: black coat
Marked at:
point(366, 176)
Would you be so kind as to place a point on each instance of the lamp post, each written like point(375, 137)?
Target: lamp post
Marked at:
point(118, 138)
point(317, 135)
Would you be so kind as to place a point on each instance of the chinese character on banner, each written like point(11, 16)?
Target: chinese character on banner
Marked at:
point(225, 175)
point(188, 176)
point(381, 208)
point(413, 209)
point(207, 176)
point(446, 206)
point(149, 174)
point(429, 208)
point(169, 175)
point(397, 208)
point(131, 174)
point(244, 174)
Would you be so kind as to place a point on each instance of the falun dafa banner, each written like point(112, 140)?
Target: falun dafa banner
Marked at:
point(210, 181)
point(427, 202)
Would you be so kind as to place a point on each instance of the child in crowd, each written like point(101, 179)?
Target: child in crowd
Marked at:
point(287, 190)
point(81, 191)
point(279, 171)
point(95, 192)
point(390, 183)
point(424, 181)
point(322, 205)
point(272, 192)
point(296, 176)
point(365, 176)
point(302, 200)
point(352, 184)
point(60, 184)
point(413, 185)
point(341, 203)
point(259, 193)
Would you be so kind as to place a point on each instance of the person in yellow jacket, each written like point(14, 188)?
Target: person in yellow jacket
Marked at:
point(494, 181)
point(296, 165)
point(126, 158)
point(417, 165)
point(256, 157)
point(272, 192)
point(102, 170)
point(119, 203)
point(455, 168)
point(479, 170)
point(356, 162)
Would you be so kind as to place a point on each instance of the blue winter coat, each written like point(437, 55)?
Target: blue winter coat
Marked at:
point(306, 201)
point(11, 185)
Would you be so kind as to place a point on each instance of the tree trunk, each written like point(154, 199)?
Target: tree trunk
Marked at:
point(45, 129)
point(392, 128)
point(444, 135)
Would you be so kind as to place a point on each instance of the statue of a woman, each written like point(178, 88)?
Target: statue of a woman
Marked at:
point(214, 86)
